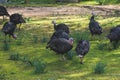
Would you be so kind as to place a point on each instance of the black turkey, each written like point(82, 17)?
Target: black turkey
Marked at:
point(114, 34)
point(9, 27)
point(59, 34)
point(3, 12)
point(94, 26)
point(61, 26)
point(61, 45)
point(17, 19)
point(82, 49)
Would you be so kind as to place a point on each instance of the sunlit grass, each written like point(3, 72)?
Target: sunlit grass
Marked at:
point(51, 3)
point(56, 69)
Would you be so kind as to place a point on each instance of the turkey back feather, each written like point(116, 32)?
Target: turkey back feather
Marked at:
point(59, 34)
point(9, 28)
point(60, 45)
point(82, 47)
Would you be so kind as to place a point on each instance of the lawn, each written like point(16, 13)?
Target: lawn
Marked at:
point(31, 43)
point(48, 3)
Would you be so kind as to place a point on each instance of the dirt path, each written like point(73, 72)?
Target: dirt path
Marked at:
point(65, 10)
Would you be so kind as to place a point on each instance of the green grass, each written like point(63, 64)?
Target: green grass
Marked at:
point(48, 3)
point(104, 2)
point(52, 3)
point(56, 69)
point(37, 3)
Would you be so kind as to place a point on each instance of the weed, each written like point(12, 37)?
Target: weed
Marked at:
point(100, 2)
point(109, 46)
point(103, 2)
point(69, 55)
point(28, 19)
point(106, 46)
point(115, 45)
point(6, 46)
point(79, 25)
point(99, 68)
point(40, 66)
point(51, 79)
point(35, 38)
point(33, 1)
point(3, 75)
point(101, 45)
point(44, 40)
point(81, 35)
point(26, 60)
point(14, 56)
point(19, 42)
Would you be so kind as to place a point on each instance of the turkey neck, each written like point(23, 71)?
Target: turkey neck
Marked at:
point(55, 26)
point(92, 18)
point(13, 23)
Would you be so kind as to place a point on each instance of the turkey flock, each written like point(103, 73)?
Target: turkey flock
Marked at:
point(60, 41)
point(10, 26)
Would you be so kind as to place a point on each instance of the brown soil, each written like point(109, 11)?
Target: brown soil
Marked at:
point(108, 10)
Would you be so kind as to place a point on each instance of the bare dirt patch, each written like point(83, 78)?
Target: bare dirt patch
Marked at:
point(108, 10)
